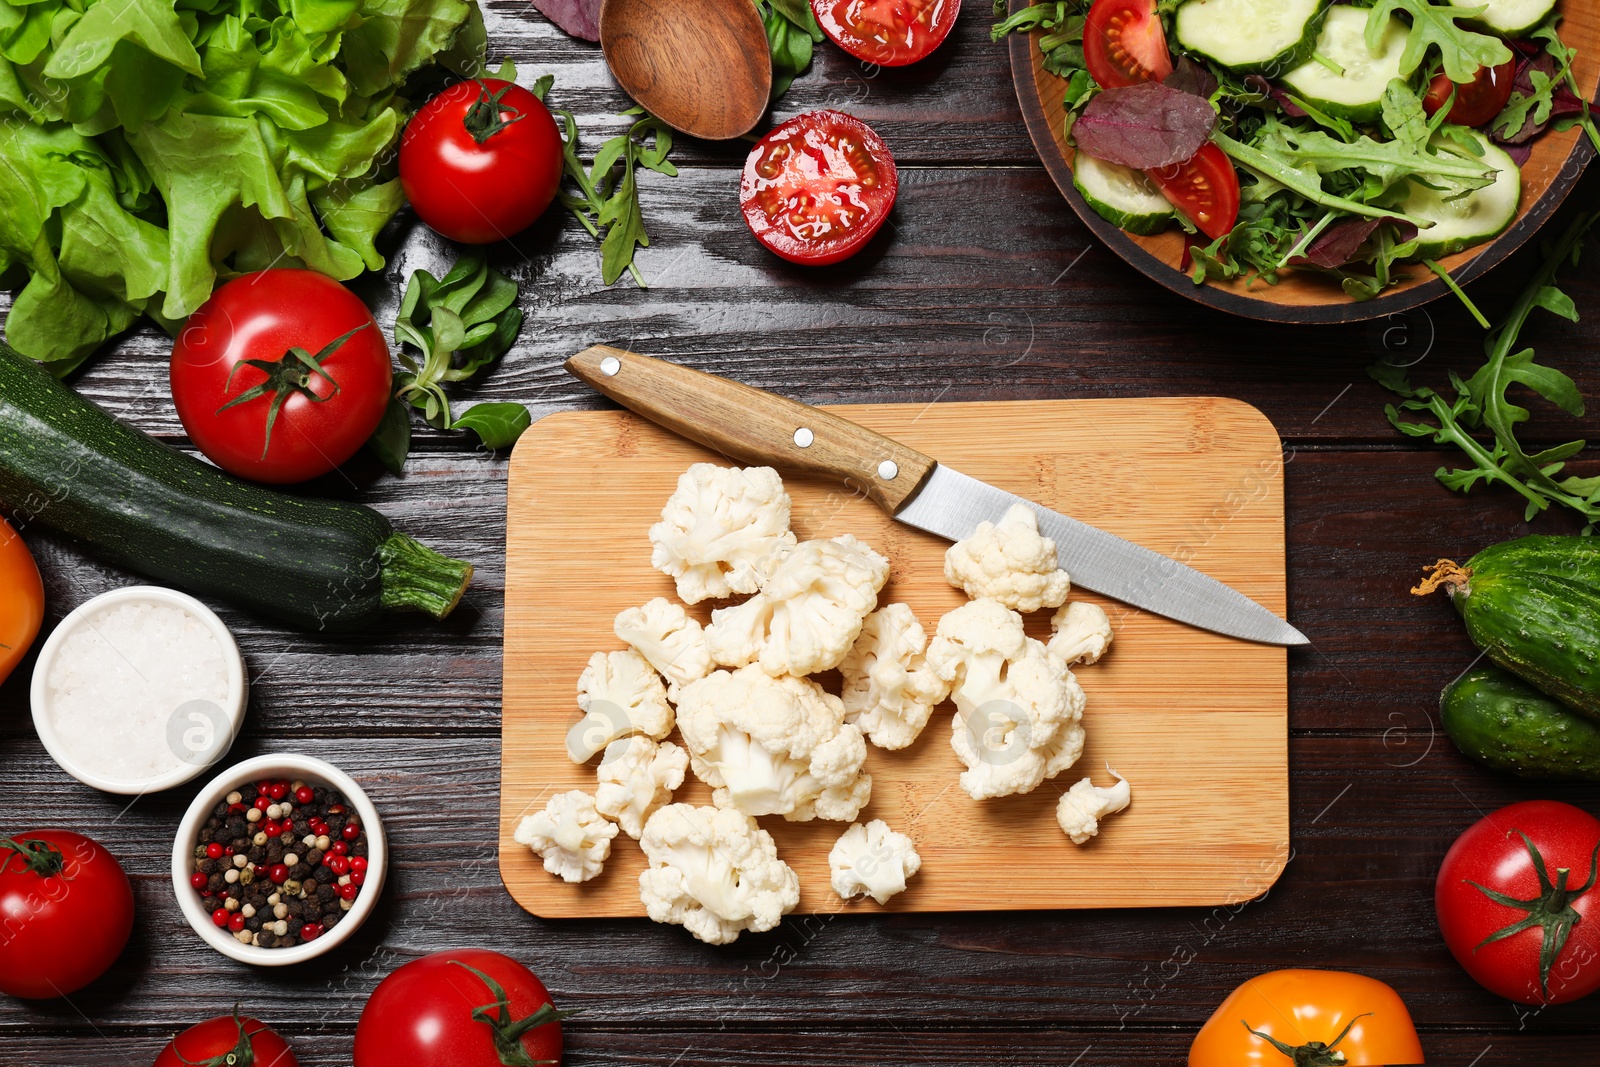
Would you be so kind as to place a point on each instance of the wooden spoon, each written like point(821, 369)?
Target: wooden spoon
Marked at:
point(702, 66)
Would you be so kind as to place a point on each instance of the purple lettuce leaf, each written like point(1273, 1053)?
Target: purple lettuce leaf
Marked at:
point(1341, 242)
point(1145, 126)
point(580, 18)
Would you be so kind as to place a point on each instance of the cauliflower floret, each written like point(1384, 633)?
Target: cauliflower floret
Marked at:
point(663, 633)
point(1018, 708)
point(723, 531)
point(809, 613)
point(889, 689)
point(1082, 633)
point(619, 694)
point(714, 872)
point(637, 776)
point(872, 860)
point(774, 746)
point(570, 834)
point(1085, 804)
point(1011, 563)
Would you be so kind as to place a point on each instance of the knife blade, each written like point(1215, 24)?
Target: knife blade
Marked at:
point(754, 426)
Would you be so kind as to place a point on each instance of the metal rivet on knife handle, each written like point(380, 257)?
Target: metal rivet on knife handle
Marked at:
point(610, 365)
point(888, 469)
point(803, 437)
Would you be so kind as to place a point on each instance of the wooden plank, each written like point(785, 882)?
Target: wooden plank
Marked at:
point(1184, 714)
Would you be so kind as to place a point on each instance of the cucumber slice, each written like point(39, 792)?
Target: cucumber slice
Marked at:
point(1121, 195)
point(1357, 93)
point(1514, 18)
point(1251, 36)
point(1481, 215)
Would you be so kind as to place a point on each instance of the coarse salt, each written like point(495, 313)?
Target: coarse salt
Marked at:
point(120, 678)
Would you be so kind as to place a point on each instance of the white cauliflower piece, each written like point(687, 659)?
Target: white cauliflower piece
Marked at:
point(889, 689)
point(714, 872)
point(872, 860)
point(1018, 708)
point(619, 694)
point(1085, 804)
point(1082, 633)
point(663, 633)
point(808, 615)
point(774, 746)
point(722, 531)
point(637, 776)
point(1010, 562)
point(570, 834)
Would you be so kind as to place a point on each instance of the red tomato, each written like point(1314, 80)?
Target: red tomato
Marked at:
point(249, 398)
point(1206, 189)
point(816, 188)
point(212, 1043)
point(66, 909)
point(890, 33)
point(423, 1013)
point(1124, 44)
point(481, 161)
point(21, 600)
point(1477, 101)
point(1534, 860)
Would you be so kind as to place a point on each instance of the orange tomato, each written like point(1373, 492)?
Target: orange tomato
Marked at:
point(1304, 1018)
point(21, 600)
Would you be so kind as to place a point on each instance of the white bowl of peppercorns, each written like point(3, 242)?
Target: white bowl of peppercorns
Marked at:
point(279, 859)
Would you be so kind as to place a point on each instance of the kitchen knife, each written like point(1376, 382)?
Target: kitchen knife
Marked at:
point(753, 426)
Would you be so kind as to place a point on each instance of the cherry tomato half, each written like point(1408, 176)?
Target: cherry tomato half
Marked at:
point(422, 1014)
point(255, 407)
point(1478, 100)
point(21, 600)
point(67, 909)
point(481, 161)
point(1283, 1018)
point(227, 1039)
point(890, 33)
point(816, 188)
point(1205, 189)
point(1540, 855)
point(1124, 44)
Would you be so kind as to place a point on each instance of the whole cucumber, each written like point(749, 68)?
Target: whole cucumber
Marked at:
point(1533, 605)
point(1499, 720)
point(319, 564)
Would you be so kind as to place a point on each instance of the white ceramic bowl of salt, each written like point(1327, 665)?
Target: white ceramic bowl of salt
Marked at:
point(139, 690)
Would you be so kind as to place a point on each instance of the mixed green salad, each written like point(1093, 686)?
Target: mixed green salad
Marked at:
point(1285, 135)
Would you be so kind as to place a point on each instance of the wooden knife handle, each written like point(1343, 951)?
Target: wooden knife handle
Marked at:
point(753, 426)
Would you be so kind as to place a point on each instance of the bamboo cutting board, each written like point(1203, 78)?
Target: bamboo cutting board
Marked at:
point(1196, 722)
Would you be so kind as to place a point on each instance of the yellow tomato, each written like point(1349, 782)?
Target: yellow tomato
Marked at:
point(21, 600)
point(1303, 1018)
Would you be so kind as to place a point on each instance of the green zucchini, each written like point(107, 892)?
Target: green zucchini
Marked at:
point(1502, 722)
point(1121, 195)
point(320, 564)
point(1533, 606)
point(1250, 36)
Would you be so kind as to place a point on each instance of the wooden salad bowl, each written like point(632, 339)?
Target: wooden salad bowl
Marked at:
point(1305, 296)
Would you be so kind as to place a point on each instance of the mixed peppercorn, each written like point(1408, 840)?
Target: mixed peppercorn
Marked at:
point(279, 863)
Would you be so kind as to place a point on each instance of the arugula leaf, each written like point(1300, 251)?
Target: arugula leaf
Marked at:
point(1271, 165)
point(609, 191)
point(1387, 161)
point(459, 324)
point(1481, 402)
point(1059, 26)
point(1461, 50)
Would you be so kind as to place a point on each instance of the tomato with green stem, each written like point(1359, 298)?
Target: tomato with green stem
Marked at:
point(1205, 188)
point(888, 33)
point(1124, 44)
point(67, 910)
point(1308, 1018)
point(21, 600)
point(1517, 903)
point(281, 376)
point(460, 1008)
point(227, 1041)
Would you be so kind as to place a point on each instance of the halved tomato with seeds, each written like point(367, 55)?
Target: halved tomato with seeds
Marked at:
point(816, 188)
point(890, 33)
point(1205, 189)
point(1124, 44)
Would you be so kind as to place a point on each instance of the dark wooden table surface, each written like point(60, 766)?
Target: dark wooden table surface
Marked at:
point(984, 287)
